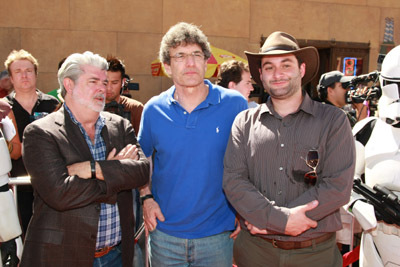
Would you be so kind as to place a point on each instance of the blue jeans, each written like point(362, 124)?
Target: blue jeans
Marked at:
point(111, 259)
point(166, 250)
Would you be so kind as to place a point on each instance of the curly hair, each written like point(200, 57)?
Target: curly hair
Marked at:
point(182, 34)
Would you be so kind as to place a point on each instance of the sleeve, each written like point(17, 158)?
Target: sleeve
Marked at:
point(126, 174)
point(136, 117)
point(45, 161)
point(251, 204)
point(336, 171)
point(145, 137)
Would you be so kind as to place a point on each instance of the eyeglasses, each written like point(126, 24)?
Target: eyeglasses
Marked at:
point(197, 55)
point(312, 162)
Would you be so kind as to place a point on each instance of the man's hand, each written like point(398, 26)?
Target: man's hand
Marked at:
point(361, 109)
point(254, 230)
point(128, 152)
point(298, 222)
point(237, 230)
point(151, 212)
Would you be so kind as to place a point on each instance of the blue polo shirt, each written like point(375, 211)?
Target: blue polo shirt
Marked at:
point(188, 160)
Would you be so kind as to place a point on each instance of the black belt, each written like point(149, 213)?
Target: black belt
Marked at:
point(4, 188)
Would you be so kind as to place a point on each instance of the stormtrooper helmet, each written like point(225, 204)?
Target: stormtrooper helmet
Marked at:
point(389, 103)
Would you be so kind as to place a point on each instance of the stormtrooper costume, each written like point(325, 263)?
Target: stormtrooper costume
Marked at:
point(379, 160)
point(10, 229)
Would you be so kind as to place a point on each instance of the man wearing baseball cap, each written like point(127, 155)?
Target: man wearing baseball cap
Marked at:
point(332, 89)
point(289, 164)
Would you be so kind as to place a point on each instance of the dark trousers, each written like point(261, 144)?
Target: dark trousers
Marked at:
point(253, 251)
point(25, 205)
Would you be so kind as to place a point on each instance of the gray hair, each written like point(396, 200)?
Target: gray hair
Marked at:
point(182, 34)
point(72, 67)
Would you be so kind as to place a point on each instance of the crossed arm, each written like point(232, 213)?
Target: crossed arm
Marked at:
point(67, 187)
point(83, 169)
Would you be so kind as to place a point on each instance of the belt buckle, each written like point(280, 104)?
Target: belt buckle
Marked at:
point(274, 243)
point(101, 252)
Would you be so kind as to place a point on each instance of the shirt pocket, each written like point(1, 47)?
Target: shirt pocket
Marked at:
point(297, 165)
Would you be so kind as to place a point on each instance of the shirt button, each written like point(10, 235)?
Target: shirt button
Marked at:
point(282, 145)
point(184, 112)
point(98, 207)
point(281, 168)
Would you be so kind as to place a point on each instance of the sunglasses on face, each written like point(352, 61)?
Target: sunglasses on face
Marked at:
point(312, 162)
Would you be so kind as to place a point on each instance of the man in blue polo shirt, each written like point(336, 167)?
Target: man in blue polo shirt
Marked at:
point(186, 129)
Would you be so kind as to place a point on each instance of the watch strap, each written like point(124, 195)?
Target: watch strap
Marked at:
point(143, 198)
point(93, 168)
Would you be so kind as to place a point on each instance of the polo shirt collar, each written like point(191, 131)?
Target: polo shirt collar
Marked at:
point(213, 97)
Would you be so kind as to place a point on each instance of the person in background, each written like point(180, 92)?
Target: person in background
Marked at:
point(235, 75)
point(131, 110)
point(10, 229)
point(289, 164)
point(332, 89)
point(378, 164)
point(83, 165)
point(116, 103)
point(5, 84)
point(28, 104)
point(185, 130)
point(57, 92)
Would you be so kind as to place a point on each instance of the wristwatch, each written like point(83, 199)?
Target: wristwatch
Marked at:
point(143, 198)
point(93, 168)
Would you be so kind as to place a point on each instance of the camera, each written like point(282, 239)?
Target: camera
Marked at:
point(372, 93)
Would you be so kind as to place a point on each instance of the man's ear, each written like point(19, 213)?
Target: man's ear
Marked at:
point(124, 82)
point(167, 69)
point(302, 69)
point(68, 84)
point(329, 90)
point(231, 85)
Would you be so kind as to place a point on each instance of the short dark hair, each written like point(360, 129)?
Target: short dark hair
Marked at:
point(115, 65)
point(323, 91)
point(231, 71)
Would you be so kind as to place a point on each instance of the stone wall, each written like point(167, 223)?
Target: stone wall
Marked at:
point(132, 29)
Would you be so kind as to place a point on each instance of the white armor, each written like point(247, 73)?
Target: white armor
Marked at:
point(9, 222)
point(379, 160)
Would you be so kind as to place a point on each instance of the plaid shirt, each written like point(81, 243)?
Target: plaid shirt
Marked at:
point(109, 229)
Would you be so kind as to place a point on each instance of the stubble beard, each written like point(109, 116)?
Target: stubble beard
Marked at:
point(284, 92)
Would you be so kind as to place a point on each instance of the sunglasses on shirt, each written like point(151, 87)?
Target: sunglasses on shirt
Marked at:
point(312, 162)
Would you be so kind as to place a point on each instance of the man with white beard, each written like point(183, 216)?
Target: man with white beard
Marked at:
point(83, 165)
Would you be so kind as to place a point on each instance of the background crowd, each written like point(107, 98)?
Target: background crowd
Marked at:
point(218, 179)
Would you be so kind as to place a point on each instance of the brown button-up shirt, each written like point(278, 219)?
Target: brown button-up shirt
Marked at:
point(265, 166)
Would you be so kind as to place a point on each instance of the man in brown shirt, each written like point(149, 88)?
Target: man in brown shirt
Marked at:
point(116, 103)
point(289, 164)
